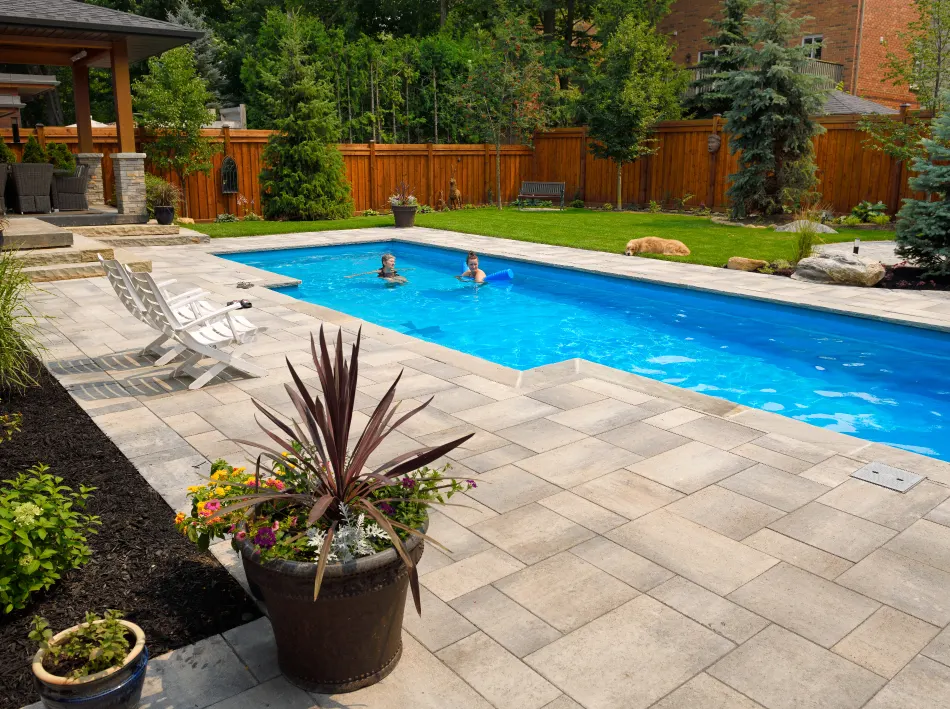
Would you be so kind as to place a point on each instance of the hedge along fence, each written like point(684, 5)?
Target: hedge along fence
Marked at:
point(849, 172)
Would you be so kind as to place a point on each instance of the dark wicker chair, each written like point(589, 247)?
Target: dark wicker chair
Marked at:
point(69, 191)
point(33, 182)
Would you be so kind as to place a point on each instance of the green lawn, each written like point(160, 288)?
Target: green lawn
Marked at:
point(711, 244)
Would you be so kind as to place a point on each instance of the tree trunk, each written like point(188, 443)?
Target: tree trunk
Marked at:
point(372, 98)
point(619, 206)
point(547, 22)
point(498, 171)
point(349, 106)
point(443, 13)
point(184, 192)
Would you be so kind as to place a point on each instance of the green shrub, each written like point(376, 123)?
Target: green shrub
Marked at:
point(608, 207)
point(577, 204)
point(43, 530)
point(9, 424)
point(160, 193)
point(370, 213)
point(805, 241)
point(425, 209)
point(781, 265)
point(879, 219)
point(865, 210)
point(471, 206)
point(34, 152)
point(18, 329)
point(61, 157)
point(654, 207)
point(225, 218)
point(253, 217)
point(97, 645)
point(6, 155)
point(851, 220)
point(702, 211)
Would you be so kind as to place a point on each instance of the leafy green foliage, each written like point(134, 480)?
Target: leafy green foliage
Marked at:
point(806, 239)
point(160, 193)
point(576, 204)
point(61, 157)
point(880, 219)
point(207, 49)
point(896, 138)
point(253, 217)
point(423, 209)
point(851, 220)
point(33, 152)
point(9, 425)
point(504, 94)
point(635, 85)
point(43, 530)
point(370, 213)
point(865, 210)
point(18, 328)
point(922, 61)
point(96, 645)
point(770, 121)
point(226, 218)
point(304, 176)
point(171, 101)
point(654, 207)
point(923, 227)
point(6, 154)
point(709, 96)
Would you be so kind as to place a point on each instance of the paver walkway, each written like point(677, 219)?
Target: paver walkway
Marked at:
point(629, 545)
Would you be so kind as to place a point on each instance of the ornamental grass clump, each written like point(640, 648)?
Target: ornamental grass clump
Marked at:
point(312, 498)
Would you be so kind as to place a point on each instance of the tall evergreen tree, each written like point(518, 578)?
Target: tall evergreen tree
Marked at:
point(708, 93)
point(304, 177)
point(770, 120)
point(923, 227)
point(635, 85)
point(206, 50)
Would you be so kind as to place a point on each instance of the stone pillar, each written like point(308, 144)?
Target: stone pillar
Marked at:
point(129, 169)
point(95, 194)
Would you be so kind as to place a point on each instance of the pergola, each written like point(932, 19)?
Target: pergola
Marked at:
point(80, 36)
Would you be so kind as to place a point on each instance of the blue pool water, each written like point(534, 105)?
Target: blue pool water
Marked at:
point(880, 382)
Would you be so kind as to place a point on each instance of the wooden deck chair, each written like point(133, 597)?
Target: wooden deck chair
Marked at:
point(205, 337)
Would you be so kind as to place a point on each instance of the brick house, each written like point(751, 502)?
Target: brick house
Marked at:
point(851, 38)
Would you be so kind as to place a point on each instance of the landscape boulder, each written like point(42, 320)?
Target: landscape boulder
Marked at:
point(739, 263)
point(839, 269)
point(797, 226)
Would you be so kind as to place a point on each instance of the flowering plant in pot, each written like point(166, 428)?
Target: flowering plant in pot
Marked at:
point(161, 197)
point(98, 664)
point(404, 205)
point(328, 535)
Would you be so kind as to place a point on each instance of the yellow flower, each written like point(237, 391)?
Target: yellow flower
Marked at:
point(219, 491)
point(238, 471)
point(195, 488)
point(179, 518)
point(249, 481)
point(218, 475)
point(227, 489)
point(201, 506)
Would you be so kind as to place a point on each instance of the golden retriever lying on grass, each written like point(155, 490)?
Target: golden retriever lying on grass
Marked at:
point(656, 245)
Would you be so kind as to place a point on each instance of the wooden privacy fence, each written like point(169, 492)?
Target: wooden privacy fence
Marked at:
point(849, 172)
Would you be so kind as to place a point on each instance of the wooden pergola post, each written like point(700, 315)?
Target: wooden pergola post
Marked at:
point(122, 93)
point(83, 107)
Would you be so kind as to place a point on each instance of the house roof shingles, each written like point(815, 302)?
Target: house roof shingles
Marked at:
point(839, 103)
point(75, 20)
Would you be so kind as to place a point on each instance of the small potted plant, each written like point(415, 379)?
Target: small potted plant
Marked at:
point(404, 205)
point(161, 197)
point(33, 178)
point(329, 537)
point(98, 664)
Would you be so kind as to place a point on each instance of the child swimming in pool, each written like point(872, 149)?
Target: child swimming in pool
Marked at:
point(473, 272)
point(388, 271)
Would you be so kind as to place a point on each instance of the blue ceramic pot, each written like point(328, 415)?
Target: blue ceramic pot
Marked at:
point(115, 688)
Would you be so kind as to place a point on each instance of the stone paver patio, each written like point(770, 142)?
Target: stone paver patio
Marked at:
point(630, 544)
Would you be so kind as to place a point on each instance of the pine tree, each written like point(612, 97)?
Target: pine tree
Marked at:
point(635, 85)
point(206, 49)
point(709, 96)
point(304, 177)
point(770, 121)
point(923, 227)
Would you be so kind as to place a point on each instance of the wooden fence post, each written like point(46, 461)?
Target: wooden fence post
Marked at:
point(430, 181)
point(372, 174)
point(41, 134)
point(582, 178)
point(713, 166)
point(897, 168)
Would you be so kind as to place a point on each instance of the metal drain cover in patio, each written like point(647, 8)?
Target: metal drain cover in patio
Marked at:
point(886, 476)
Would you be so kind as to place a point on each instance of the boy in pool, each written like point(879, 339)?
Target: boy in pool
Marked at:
point(473, 272)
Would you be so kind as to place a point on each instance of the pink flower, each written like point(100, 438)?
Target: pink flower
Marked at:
point(241, 536)
point(212, 505)
point(204, 513)
point(276, 525)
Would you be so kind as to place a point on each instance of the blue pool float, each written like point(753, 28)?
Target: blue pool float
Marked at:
point(503, 275)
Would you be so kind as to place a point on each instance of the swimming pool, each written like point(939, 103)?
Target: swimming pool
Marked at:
point(881, 382)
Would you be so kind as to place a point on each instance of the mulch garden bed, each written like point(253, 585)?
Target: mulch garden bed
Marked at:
point(140, 564)
point(903, 277)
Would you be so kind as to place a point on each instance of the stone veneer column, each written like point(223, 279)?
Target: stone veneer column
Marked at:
point(95, 194)
point(129, 169)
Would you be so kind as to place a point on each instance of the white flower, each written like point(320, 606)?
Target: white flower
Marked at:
point(25, 514)
point(351, 539)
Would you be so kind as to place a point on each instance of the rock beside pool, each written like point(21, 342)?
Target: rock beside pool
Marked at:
point(739, 263)
point(802, 223)
point(839, 269)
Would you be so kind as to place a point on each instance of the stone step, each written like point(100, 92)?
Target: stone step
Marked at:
point(68, 271)
point(126, 230)
point(52, 257)
point(176, 240)
point(32, 233)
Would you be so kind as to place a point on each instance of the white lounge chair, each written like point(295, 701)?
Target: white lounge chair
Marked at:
point(187, 305)
point(205, 337)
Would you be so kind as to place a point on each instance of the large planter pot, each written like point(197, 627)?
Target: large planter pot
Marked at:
point(405, 216)
point(115, 688)
point(351, 636)
point(164, 215)
point(33, 182)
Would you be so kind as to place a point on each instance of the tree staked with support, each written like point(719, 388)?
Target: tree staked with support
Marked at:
point(635, 85)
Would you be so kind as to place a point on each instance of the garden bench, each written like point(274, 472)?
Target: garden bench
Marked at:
point(553, 191)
